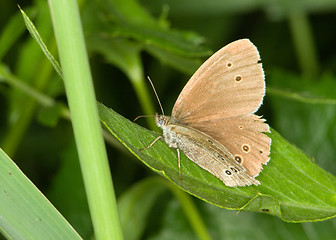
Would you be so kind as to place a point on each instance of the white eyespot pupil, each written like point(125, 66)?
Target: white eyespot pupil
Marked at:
point(238, 159)
point(246, 148)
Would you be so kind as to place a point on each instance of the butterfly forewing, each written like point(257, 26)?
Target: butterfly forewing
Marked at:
point(230, 83)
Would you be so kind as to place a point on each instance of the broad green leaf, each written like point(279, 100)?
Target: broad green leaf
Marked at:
point(186, 65)
point(292, 186)
point(231, 225)
point(25, 212)
point(129, 19)
point(177, 42)
point(125, 54)
point(305, 113)
point(120, 52)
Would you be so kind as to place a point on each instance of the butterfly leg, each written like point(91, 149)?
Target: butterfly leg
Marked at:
point(179, 162)
point(150, 145)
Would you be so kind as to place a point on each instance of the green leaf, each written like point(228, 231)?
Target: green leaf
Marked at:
point(131, 20)
point(126, 55)
point(186, 65)
point(25, 212)
point(34, 33)
point(177, 42)
point(171, 223)
point(120, 52)
point(292, 186)
point(135, 205)
point(305, 113)
point(9, 35)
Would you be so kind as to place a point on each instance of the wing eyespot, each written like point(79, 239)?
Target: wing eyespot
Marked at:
point(246, 148)
point(239, 159)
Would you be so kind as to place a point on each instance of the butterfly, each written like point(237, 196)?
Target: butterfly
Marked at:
point(213, 120)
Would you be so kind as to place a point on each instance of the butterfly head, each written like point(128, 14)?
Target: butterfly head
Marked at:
point(161, 120)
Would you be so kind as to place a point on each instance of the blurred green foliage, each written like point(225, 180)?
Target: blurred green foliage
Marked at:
point(168, 40)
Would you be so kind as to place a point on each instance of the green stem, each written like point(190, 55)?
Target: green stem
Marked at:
point(85, 120)
point(299, 97)
point(15, 82)
point(136, 76)
point(304, 43)
point(191, 212)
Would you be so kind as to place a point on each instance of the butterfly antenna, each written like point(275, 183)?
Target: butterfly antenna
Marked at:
point(141, 116)
point(157, 97)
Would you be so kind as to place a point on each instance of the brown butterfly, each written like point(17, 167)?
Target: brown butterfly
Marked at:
point(213, 120)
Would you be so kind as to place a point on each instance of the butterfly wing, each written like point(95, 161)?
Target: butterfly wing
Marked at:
point(211, 155)
point(230, 83)
point(218, 168)
point(244, 137)
point(222, 95)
